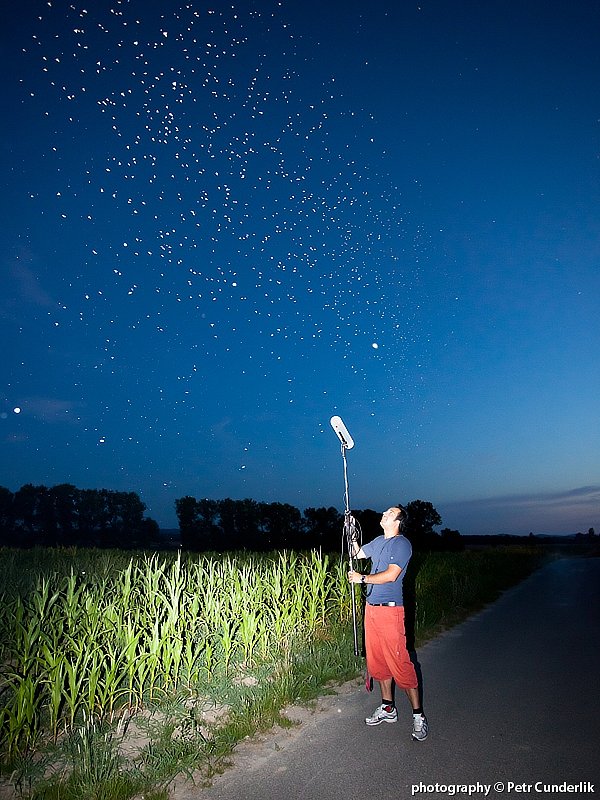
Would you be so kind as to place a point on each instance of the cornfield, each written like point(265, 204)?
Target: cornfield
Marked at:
point(88, 638)
point(94, 642)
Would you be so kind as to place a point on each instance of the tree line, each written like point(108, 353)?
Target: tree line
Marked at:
point(65, 516)
point(221, 525)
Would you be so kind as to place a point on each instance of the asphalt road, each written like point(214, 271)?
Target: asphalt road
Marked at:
point(512, 696)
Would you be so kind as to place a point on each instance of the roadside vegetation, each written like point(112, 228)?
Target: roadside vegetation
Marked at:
point(120, 671)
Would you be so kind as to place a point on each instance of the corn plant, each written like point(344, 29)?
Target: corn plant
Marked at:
point(80, 646)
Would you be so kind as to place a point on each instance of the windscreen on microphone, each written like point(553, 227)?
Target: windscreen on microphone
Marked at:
point(342, 432)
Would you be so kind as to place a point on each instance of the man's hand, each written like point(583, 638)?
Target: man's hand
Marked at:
point(354, 577)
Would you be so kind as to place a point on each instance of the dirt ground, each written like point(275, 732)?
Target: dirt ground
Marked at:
point(252, 753)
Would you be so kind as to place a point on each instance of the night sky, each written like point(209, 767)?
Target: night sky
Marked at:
point(223, 223)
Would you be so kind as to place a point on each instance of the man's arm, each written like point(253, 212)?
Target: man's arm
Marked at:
point(357, 552)
point(389, 575)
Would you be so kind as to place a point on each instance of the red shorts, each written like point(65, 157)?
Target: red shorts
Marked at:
point(385, 643)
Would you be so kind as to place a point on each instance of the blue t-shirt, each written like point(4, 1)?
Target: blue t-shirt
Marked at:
point(383, 552)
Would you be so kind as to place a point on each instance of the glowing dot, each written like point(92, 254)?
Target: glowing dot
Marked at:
point(17, 410)
point(375, 346)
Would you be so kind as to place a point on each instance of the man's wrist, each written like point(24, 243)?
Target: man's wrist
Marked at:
point(363, 578)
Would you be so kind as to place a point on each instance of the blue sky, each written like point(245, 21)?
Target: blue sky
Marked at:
point(225, 223)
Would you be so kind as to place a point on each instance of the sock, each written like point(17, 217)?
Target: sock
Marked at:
point(418, 711)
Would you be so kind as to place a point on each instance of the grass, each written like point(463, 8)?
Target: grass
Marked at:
point(119, 673)
point(444, 588)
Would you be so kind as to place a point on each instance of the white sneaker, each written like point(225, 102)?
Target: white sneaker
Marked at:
point(420, 727)
point(383, 714)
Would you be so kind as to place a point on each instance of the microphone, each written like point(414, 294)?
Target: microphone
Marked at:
point(342, 432)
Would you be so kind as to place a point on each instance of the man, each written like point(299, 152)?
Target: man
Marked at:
point(385, 639)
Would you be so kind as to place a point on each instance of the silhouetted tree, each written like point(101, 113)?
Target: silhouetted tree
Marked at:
point(27, 514)
point(92, 515)
point(149, 535)
point(46, 518)
point(228, 524)
point(223, 525)
point(64, 515)
point(421, 519)
point(65, 512)
point(323, 529)
point(218, 525)
point(232, 535)
point(207, 515)
point(7, 518)
point(248, 524)
point(282, 526)
point(186, 511)
point(130, 518)
point(370, 523)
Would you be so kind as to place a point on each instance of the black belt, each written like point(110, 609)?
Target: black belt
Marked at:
point(384, 604)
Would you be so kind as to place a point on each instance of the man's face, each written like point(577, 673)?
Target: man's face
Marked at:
point(389, 516)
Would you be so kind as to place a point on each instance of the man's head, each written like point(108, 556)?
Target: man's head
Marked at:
point(393, 519)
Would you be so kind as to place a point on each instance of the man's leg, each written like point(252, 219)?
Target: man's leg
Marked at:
point(420, 725)
point(387, 697)
point(386, 712)
point(413, 696)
